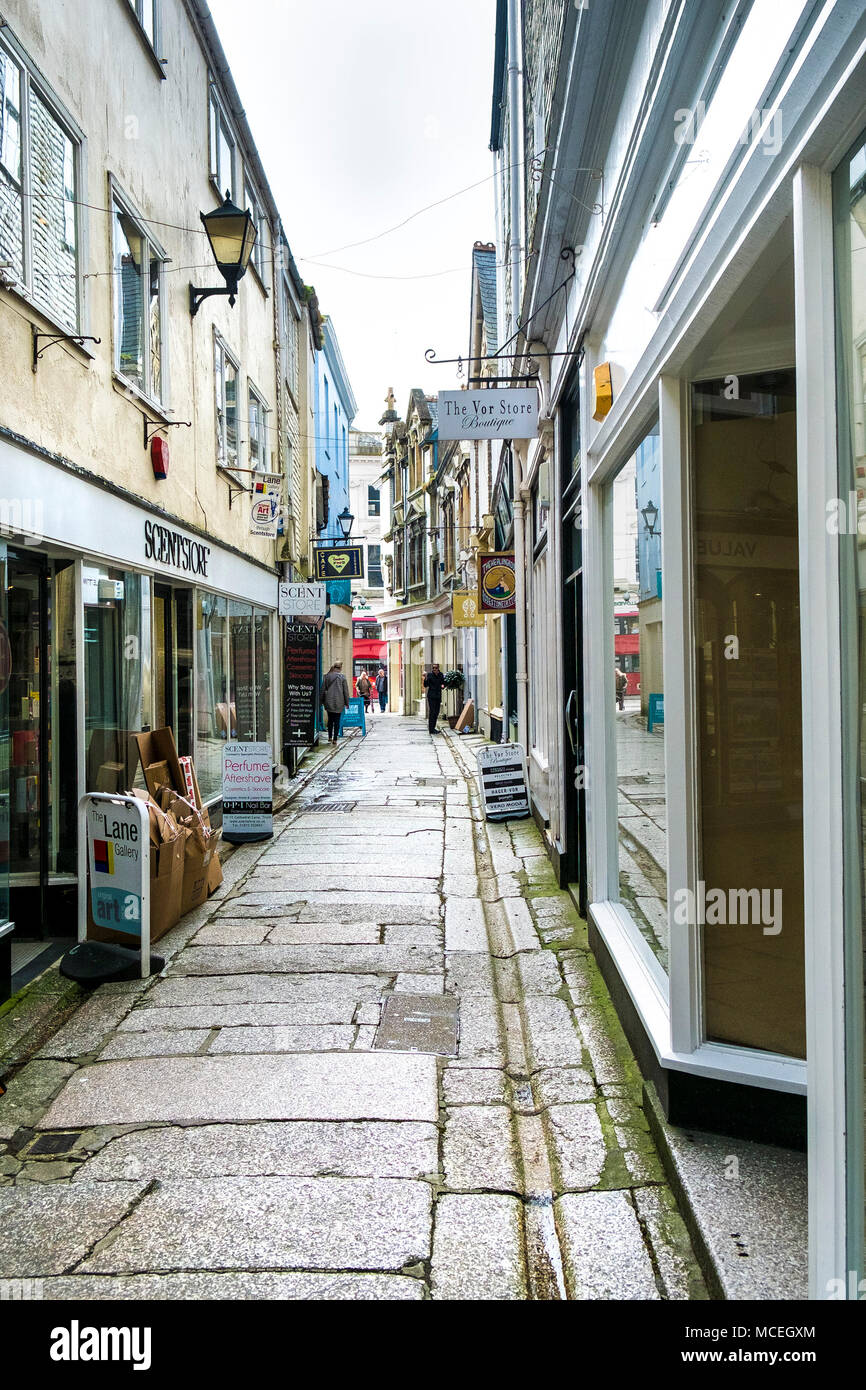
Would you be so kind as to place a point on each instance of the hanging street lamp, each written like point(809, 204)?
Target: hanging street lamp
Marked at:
point(345, 520)
point(232, 236)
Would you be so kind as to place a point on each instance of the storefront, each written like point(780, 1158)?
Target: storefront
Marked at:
point(112, 620)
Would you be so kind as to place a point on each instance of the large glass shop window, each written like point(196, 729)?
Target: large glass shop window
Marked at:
point(848, 513)
point(117, 673)
point(232, 682)
point(213, 716)
point(748, 903)
point(636, 693)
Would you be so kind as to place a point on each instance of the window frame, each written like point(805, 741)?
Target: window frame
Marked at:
point(30, 80)
point(154, 41)
point(253, 205)
point(226, 356)
point(254, 394)
point(374, 501)
point(120, 202)
point(217, 119)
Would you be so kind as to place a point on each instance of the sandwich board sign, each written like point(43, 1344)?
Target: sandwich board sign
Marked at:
point(248, 792)
point(353, 717)
point(116, 832)
point(504, 786)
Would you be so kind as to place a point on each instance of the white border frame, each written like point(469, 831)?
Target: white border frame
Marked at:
point(823, 833)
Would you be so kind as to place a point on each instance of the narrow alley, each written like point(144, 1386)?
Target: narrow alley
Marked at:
point(379, 1064)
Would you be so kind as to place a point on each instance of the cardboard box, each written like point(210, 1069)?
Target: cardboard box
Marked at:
point(157, 752)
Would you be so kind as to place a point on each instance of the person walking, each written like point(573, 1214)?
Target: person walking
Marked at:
point(365, 686)
point(621, 686)
point(382, 689)
point(334, 698)
point(433, 685)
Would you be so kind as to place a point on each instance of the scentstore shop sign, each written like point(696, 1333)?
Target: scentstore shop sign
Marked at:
point(510, 414)
point(166, 547)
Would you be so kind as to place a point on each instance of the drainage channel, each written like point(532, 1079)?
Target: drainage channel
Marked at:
point(544, 1264)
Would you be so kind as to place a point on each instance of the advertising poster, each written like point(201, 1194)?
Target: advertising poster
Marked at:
point(504, 788)
point(248, 792)
point(119, 857)
point(300, 685)
point(496, 585)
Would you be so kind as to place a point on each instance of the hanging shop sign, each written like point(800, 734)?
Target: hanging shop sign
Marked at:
point(299, 600)
point(248, 792)
point(299, 685)
point(265, 505)
point(339, 562)
point(504, 786)
point(464, 609)
point(488, 414)
point(496, 584)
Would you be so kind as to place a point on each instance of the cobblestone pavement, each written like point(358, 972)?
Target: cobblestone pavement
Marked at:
point(236, 1131)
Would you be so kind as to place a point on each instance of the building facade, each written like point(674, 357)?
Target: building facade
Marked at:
point(335, 410)
point(680, 246)
point(135, 426)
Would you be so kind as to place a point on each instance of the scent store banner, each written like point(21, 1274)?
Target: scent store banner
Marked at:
point(299, 685)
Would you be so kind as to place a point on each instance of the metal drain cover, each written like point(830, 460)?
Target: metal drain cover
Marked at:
point(419, 1023)
point(329, 806)
point(54, 1145)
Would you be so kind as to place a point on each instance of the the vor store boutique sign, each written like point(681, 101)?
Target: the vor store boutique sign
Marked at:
point(488, 414)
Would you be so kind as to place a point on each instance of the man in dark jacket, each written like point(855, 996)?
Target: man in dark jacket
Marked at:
point(382, 689)
point(433, 685)
point(335, 698)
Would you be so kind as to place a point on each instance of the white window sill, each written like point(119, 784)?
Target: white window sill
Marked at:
point(125, 387)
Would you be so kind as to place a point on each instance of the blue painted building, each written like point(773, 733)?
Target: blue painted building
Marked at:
point(335, 409)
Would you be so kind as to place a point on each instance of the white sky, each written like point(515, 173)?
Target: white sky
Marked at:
point(362, 114)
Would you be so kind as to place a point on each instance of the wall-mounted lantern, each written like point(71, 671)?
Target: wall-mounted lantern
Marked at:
point(232, 236)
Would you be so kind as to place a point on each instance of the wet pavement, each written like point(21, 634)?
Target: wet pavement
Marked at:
point(249, 1125)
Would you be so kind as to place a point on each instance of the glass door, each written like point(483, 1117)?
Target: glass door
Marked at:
point(42, 741)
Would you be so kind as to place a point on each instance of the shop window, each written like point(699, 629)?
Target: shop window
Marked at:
point(138, 318)
point(39, 158)
point(117, 673)
point(213, 715)
point(226, 389)
point(747, 630)
point(636, 692)
point(233, 682)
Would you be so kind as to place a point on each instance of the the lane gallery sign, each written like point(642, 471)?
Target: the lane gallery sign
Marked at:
point(488, 414)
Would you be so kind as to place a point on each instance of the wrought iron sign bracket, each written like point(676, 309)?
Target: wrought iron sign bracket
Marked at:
point(52, 338)
point(152, 427)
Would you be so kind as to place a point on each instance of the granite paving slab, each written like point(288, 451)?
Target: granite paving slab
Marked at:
point(465, 928)
point(479, 1151)
point(244, 1286)
point(272, 1223)
point(202, 990)
point(340, 1009)
point(324, 934)
point(327, 1038)
point(478, 1248)
point(311, 1148)
point(183, 1090)
point(603, 1251)
point(46, 1229)
point(297, 960)
point(92, 1021)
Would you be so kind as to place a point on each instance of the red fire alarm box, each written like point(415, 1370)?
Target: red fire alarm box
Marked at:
point(159, 456)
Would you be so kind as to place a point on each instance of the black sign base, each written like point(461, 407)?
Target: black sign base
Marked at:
point(94, 963)
point(246, 837)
